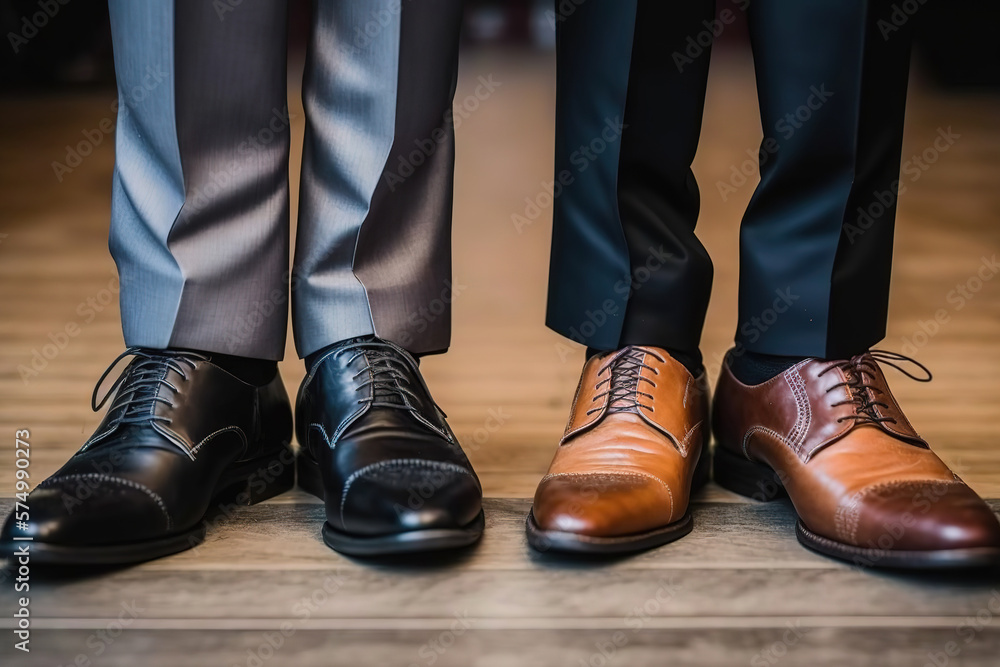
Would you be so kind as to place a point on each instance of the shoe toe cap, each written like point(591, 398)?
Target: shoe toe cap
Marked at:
point(602, 504)
point(408, 495)
point(927, 516)
point(90, 510)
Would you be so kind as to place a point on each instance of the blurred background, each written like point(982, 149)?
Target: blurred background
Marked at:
point(507, 381)
point(56, 123)
point(958, 43)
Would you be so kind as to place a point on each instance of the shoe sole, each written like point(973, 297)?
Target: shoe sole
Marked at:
point(244, 483)
point(310, 480)
point(545, 541)
point(576, 543)
point(761, 482)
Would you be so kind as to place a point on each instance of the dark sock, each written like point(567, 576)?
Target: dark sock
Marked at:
point(754, 368)
point(257, 372)
point(691, 360)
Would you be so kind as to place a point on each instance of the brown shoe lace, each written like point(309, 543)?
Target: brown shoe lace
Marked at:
point(861, 368)
point(624, 375)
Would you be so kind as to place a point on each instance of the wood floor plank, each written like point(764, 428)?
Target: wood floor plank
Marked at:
point(744, 535)
point(464, 647)
point(555, 589)
point(741, 560)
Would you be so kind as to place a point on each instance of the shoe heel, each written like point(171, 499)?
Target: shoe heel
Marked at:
point(259, 479)
point(739, 475)
point(310, 479)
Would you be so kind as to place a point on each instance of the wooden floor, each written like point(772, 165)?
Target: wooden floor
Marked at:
point(738, 590)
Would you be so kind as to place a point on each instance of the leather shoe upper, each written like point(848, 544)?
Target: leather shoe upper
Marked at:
point(626, 461)
point(855, 469)
point(388, 459)
point(177, 422)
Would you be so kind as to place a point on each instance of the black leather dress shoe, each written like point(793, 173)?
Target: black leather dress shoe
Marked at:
point(182, 436)
point(378, 451)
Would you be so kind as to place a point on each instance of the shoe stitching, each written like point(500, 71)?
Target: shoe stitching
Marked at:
point(350, 419)
point(683, 444)
point(848, 517)
point(108, 478)
point(112, 425)
point(612, 475)
point(775, 379)
point(572, 410)
point(210, 436)
point(404, 463)
point(173, 437)
point(803, 410)
point(908, 483)
point(419, 416)
point(759, 429)
point(897, 413)
point(326, 438)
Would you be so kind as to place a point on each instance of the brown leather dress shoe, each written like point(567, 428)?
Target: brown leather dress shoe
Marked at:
point(866, 487)
point(630, 457)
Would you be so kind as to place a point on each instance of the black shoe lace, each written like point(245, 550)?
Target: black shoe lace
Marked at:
point(137, 388)
point(390, 374)
point(859, 370)
point(623, 382)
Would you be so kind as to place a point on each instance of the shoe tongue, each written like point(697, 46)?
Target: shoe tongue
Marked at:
point(625, 382)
